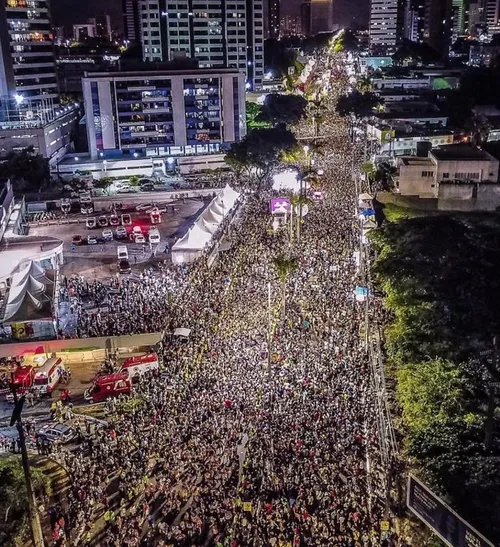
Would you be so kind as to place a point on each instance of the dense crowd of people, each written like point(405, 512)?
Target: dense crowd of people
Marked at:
point(227, 450)
point(123, 306)
point(247, 439)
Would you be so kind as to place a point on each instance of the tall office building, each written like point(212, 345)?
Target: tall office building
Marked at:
point(28, 81)
point(102, 24)
point(316, 16)
point(305, 18)
point(227, 33)
point(492, 17)
point(434, 22)
point(131, 20)
point(274, 19)
point(387, 18)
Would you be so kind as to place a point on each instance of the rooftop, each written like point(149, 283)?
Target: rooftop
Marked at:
point(152, 73)
point(462, 152)
point(416, 161)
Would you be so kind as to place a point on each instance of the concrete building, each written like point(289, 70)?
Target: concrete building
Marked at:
point(274, 19)
point(83, 31)
point(51, 139)
point(102, 25)
point(27, 69)
point(163, 113)
point(459, 164)
point(321, 16)
point(483, 55)
point(306, 18)
point(407, 139)
point(218, 34)
point(131, 20)
point(386, 24)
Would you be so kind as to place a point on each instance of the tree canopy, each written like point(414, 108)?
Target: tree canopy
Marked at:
point(440, 279)
point(281, 109)
point(260, 152)
point(26, 169)
point(357, 104)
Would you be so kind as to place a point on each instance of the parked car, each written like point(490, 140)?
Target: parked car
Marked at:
point(57, 433)
point(92, 240)
point(124, 266)
point(147, 187)
point(86, 208)
point(77, 240)
point(136, 231)
point(114, 220)
point(143, 207)
point(91, 223)
point(103, 221)
point(126, 189)
point(139, 238)
point(126, 220)
point(107, 234)
point(121, 232)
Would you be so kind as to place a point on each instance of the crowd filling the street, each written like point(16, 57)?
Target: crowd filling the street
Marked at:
point(261, 429)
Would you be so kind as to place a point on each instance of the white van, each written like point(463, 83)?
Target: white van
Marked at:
point(122, 252)
point(154, 236)
point(48, 376)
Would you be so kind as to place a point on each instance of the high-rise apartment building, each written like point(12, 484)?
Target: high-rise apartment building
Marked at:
point(27, 68)
point(226, 33)
point(131, 20)
point(316, 16)
point(492, 9)
point(434, 22)
point(305, 18)
point(387, 19)
point(102, 24)
point(274, 19)
point(163, 113)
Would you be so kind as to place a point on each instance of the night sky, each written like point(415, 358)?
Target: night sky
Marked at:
point(69, 12)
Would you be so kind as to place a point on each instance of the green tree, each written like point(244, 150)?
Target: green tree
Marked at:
point(284, 267)
point(26, 169)
point(358, 104)
point(253, 112)
point(14, 500)
point(259, 153)
point(430, 392)
point(281, 109)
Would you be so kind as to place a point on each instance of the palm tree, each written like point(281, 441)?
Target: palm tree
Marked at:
point(284, 266)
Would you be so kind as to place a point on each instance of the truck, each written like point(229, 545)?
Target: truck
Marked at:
point(136, 366)
point(22, 379)
point(107, 386)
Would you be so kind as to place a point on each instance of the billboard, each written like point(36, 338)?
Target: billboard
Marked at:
point(280, 205)
point(441, 518)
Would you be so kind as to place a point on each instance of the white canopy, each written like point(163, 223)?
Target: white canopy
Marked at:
point(181, 331)
point(207, 224)
point(28, 292)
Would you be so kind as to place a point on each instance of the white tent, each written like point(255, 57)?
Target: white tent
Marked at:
point(191, 246)
point(30, 290)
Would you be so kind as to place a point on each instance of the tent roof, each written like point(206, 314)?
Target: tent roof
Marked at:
point(196, 238)
point(30, 295)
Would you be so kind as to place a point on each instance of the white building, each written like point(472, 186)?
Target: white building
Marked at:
point(51, 139)
point(218, 34)
point(456, 164)
point(163, 113)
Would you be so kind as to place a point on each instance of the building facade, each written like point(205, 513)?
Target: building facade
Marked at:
point(274, 19)
point(228, 33)
point(131, 20)
point(163, 113)
point(27, 69)
point(387, 19)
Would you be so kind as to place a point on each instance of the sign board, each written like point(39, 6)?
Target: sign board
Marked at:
point(280, 206)
point(387, 135)
point(361, 294)
point(305, 209)
point(439, 517)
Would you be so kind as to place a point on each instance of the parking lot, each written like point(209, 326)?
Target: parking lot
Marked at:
point(99, 259)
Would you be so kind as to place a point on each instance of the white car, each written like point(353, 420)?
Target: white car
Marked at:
point(154, 236)
point(57, 433)
point(92, 240)
point(139, 238)
point(91, 223)
point(121, 232)
point(107, 234)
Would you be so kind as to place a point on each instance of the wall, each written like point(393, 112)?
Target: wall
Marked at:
point(411, 182)
point(111, 343)
point(469, 197)
point(484, 168)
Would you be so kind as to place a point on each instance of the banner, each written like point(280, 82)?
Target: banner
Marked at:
point(441, 518)
point(280, 206)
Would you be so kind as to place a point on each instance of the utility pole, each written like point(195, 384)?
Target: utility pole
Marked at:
point(36, 528)
point(269, 335)
point(490, 412)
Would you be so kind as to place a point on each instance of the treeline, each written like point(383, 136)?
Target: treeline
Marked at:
point(440, 276)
